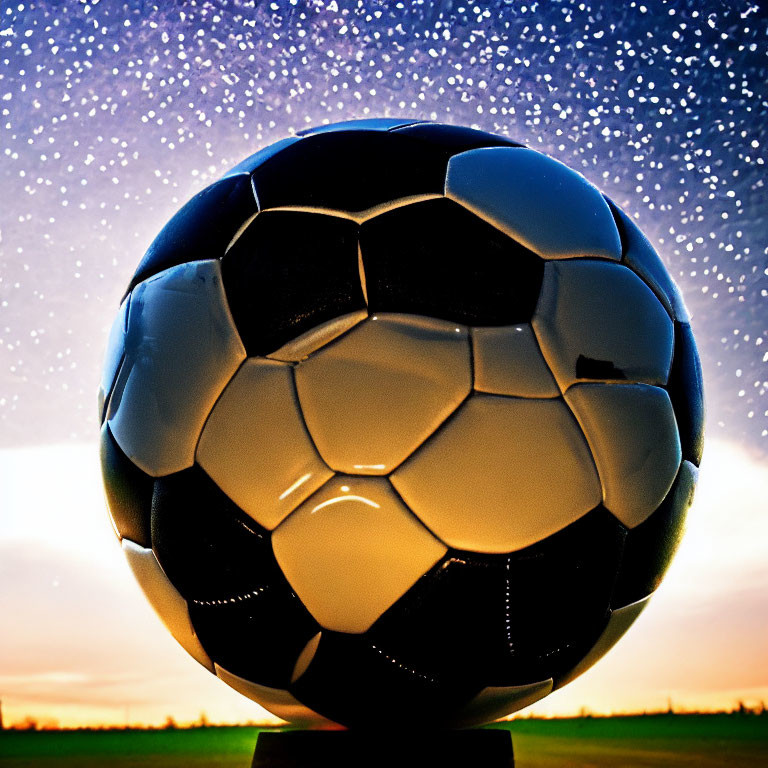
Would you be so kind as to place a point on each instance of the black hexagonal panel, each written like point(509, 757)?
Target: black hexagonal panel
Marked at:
point(650, 547)
point(353, 682)
point(289, 272)
point(128, 490)
point(561, 594)
point(436, 258)
point(509, 619)
point(686, 390)
point(202, 229)
point(252, 162)
point(349, 171)
point(242, 608)
point(451, 623)
point(453, 139)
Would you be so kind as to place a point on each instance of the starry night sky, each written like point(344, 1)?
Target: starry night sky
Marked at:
point(114, 113)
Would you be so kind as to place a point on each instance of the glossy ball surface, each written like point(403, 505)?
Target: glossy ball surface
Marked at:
point(400, 421)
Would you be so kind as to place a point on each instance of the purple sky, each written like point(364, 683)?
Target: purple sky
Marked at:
point(114, 113)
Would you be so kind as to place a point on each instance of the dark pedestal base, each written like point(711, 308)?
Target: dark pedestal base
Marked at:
point(373, 749)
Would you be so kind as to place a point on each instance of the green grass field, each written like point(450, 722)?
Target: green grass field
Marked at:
point(698, 741)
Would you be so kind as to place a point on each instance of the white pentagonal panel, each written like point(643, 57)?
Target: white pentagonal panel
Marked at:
point(508, 361)
point(621, 620)
point(374, 395)
point(641, 256)
point(351, 550)
point(113, 355)
point(633, 435)
point(597, 320)
point(309, 342)
point(305, 657)
point(255, 445)
point(685, 487)
point(275, 700)
point(541, 203)
point(493, 703)
point(169, 605)
point(181, 348)
point(501, 475)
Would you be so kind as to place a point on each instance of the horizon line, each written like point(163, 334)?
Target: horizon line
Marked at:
point(31, 724)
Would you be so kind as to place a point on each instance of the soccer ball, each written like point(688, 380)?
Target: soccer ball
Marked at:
point(400, 422)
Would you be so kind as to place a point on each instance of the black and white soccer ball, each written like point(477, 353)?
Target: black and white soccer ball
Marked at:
point(400, 421)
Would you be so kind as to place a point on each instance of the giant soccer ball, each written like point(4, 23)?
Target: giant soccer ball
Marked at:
point(400, 421)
